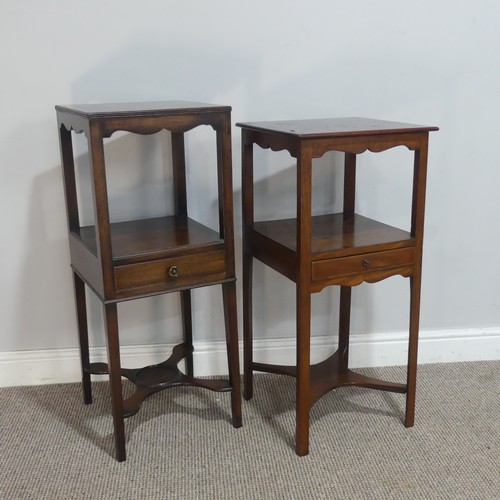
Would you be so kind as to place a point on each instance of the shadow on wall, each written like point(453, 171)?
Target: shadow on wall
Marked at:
point(48, 319)
point(46, 263)
point(146, 73)
point(138, 189)
point(42, 286)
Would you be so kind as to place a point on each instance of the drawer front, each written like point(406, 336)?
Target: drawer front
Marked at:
point(173, 272)
point(361, 264)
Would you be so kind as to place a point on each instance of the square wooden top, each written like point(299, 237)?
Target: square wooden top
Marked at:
point(111, 110)
point(334, 127)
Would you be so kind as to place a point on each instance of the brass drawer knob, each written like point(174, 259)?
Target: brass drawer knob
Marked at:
point(174, 271)
point(366, 263)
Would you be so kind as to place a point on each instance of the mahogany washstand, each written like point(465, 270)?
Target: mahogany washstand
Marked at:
point(141, 258)
point(343, 249)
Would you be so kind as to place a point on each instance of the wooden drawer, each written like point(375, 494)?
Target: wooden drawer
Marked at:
point(361, 264)
point(184, 270)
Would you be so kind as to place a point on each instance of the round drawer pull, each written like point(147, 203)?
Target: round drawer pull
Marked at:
point(366, 263)
point(174, 271)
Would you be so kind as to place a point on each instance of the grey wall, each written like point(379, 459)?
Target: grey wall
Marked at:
point(424, 62)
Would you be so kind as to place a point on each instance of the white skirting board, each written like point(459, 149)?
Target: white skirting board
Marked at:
point(54, 366)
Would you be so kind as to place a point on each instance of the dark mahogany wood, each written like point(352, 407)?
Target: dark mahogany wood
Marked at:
point(83, 336)
point(151, 239)
point(140, 258)
point(334, 127)
point(343, 249)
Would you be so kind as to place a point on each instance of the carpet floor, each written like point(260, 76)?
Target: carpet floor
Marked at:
point(181, 444)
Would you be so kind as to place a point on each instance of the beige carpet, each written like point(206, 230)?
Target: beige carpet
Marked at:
point(182, 446)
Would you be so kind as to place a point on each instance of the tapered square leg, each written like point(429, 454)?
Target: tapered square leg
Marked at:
point(115, 382)
point(303, 402)
point(247, 326)
point(344, 327)
point(412, 351)
point(187, 326)
point(83, 336)
point(229, 299)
